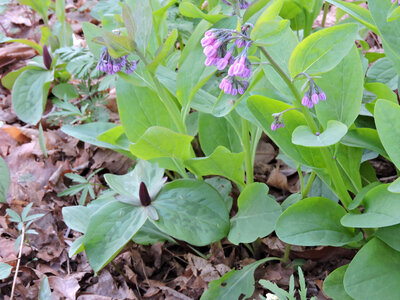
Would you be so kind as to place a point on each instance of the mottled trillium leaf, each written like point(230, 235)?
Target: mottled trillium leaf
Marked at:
point(394, 187)
point(30, 92)
point(128, 185)
point(334, 132)
point(381, 208)
point(387, 120)
point(192, 211)
point(234, 283)
point(323, 50)
point(374, 272)
point(315, 222)
point(4, 180)
point(109, 229)
point(256, 216)
point(333, 284)
point(224, 187)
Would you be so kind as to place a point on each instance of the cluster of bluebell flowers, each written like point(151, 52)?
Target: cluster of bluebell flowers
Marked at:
point(313, 95)
point(393, 1)
point(110, 65)
point(220, 46)
point(278, 121)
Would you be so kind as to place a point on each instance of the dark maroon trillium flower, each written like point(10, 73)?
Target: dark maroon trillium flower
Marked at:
point(144, 195)
point(47, 60)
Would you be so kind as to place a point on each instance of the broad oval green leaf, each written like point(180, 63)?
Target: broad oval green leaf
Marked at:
point(165, 146)
point(381, 208)
point(394, 15)
point(315, 222)
point(256, 216)
point(394, 187)
point(374, 272)
point(390, 235)
point(333, 284)
point(5, 270)
point(109, 229)
point(4, 180)
point(334, 132)
point(221, 162)
point(387, 120)
point(270, 32)
point(192, 211)
point(364, 138)
point(343, 86)
point(323, 50)
point(29, 94)
point(190, 10)
point(45, 292)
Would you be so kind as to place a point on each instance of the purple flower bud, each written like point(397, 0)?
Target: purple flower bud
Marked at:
point(305, 100)
point(47, 60)
point(274, 126)
point(144, 195)
point(239, 43)
point(394, 1)
point(226, 2)
point(317, 133)
point(322, 95)
point(207, 40)
point(222, 63)
point(314, 98)
point(209, 61)
point(210, 51)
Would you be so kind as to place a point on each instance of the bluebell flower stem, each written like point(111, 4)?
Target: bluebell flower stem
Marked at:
point(331, 165)
point(306, 190)
point(247, 152)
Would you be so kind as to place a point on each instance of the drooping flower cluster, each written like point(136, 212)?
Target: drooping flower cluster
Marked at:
point(393, 1)
point(278, 121)
point(313, 95)
point(220, 46)
point(242, 3)
point(110, 65)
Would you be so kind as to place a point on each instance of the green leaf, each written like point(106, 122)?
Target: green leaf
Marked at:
point(234, 283)
point(254, 8)
point(149, 234)
point(262, 108)
point(145, 105)
point(42, 141)
point(89, 132)
point(14, 216)
point(323, 50)
point(381, 208)
point(382, 91)
point(129, 21)
point(5, 270)
point(364, 138)
point(387, 120)
point(65, 91)
point(115, 136)
point(394, 187)
point(76, 247)
point(359, 13)
point(221, 162)
point(143, 16)
point(374, 273)
point(334, 132)
point(8, 80)
point(159, 142)
point(394, 15)
point(333, 284)
point(41, 7)
point(361, 194)
point(167, 47)
point(45, 292)
point(214, 132)
point(190, 10)
point(77, 217)
point(389, 31)
point(29, 43)
point(91, 31)
point(109, 229)
point(256, 216)
point(390, 235)
point(383, 71)
point(224, 187)
point(315, 222)
point(4, 180)
point(270, 13)
point(343, 87)
point(269, 32)
point(192, 211)
point(29, 95)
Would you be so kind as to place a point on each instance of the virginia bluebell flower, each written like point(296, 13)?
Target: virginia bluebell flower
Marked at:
point(242, 3)
point(219, 47)
point(110, 65)
point(278, 121)
point(393, 1)
point(314, 93)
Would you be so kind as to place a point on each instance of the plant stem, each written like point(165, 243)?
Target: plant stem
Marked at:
point(256, 248)
point(285, 258)
point(18, 262)
point(330, 164)
point(247, 152)
point(326, 10)
point(310, 181)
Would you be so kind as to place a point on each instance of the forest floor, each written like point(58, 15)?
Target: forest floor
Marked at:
point(160, 271)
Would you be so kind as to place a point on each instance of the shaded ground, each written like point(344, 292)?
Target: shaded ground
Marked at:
point(160, 271)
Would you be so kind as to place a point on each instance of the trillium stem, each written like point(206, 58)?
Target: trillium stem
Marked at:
point(310, 181)
point(331, 165)
point(286, 255)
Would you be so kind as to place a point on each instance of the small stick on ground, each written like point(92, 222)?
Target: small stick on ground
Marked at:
point(18, 262)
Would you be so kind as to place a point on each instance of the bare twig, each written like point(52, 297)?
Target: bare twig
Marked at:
point(18, 262)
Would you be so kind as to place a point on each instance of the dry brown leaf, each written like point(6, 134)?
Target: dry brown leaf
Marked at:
point(64, 287)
